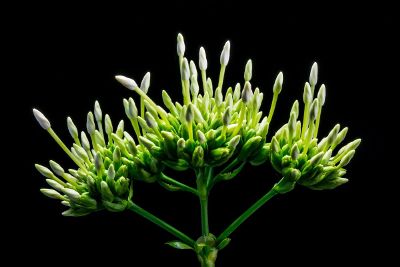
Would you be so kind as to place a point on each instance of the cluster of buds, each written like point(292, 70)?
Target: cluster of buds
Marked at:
point(298, 154)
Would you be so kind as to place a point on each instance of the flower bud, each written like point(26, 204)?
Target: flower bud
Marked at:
point(247, 93)
point(180, 46)
point(347, 158)
point(85, 141)
point(108, 124)
point(41, 119)
point(90, 125)
point(307, 95)
point(314, 74)
point(236, 93)
point(189, 113)
point(145, 84)
point(51, 193)
point(73, 131)
point(248, 70)
point(185, 71)
point(55, 185)
point(106, 192)
point(224, 59)
point(295, 109)
point(278, 83)
point(322, 94)
point(314, 109)
point(202, 59)
point(126, 82)
point(295, 152)
point(151, 122)
point(98, 114)
point(193, 69)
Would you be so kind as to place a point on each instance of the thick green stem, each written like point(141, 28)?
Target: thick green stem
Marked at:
point(167, 227)
point(204, 216)
point(231, 228)
point(272, 108)
point(202, 177)
point(174, 182)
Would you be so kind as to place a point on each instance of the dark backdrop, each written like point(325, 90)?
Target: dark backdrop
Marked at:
point(68, 56)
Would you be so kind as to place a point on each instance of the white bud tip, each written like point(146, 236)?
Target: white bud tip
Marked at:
point(202, 59)
point(322, 94)
point(185, 70)
point(180, 47)
point(126, 82)
point(248, 71)
point(145, 84)
point(247, 93)
point(225, 53)
point(278, 83)
point(314, 74)
point(42, 120)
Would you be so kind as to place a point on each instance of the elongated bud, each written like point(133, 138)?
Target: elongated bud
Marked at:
point(131, 146)
point(132, 108)
point(224, 59)
point(226, 118)
point(57, 169)
point(317, 158)
point(98, 114)
point(249, 147)
point(44, 171)
point(340, 137)
point(41, 119)
point(181, 144)
point(314, 74)
point(185, 71)
point(295, 152)
point(201, 137)
point(85, 141)
point(120, 129)
point(233, 142)
point(51, 193)
point(73, 131)
point(117, 154)
point(347, 158)
point(146, 142)
point(111, 172)
point(322, 94)
point(202, 59)
point(307, 95)
point(295, 109)
point(189, 113)
point(314, 109)
point(151, 122)
point(247, 93)
point(292, 125)
point(236, 93)
point(210, 86)
point(180, 45)
point(194, 87)
point(350, 146)
point(106, 192)
point(193, 69)
point(126, 82)
point(263, 127)
point(55, 185)
point(98, 161)
point(327, 156)
point(90, 125)
point(198, 157)
point(108, 124)
point(72, 194)
point(275, 145)
point(145, 84)
point(248, 70)
point(278, 83)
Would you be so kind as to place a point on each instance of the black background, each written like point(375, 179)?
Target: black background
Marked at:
point(67, 58)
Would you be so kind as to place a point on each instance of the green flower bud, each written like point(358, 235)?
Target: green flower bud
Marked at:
point(185, 71)
point(202, 59)
point(247, 93)
point(322, 94)
point(108, 124)
point(193, 69)
point(314, 109)
point(249, 147)
point(307, 95)
point(275, 145)
point(350, 146)
point(126, 82)
point(194, 87)
point(44, 171)
point(340, 137)
point(201, 137)
point(111, 172)
point(314, 74)
point(332, 136)
point(55, 185)
point(81, 153)
point(291, 126)
point(145, 84)
point(131, 146)
point(326, 157)
point(117, 155)
point(73, 131)
point(248, 70)
point(198, 157)
point(278, 83)
point(219, 153)
point(85, 141)
point(295, 152)
point(99, 138)
point(263, 128)
point(168, 103)
point(226, 118)
point(218, 96)
point(189, 113)
point(120, 129)
point(56, 168)
point(41, 119)
point(224, 59)
point(180, 46)
point(98, 114)
point(295, 109)
point(146, 142)
point(347, 158)
point(51, 193)
point(72, 194)
point(236, 93)
point(106, 193)
point(90, 125)
point(233, 142)
point(210, 87)
point(98, 162)
point(151, 122)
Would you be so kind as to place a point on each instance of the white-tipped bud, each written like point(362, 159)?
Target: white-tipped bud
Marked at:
point(292, 125)
point(340, 136)
point(42, 120)
point(327, 156)
point(201, 137)
point(57, 169)
point(350, 146)
point(145, 84)
point(347, 158)
point(181, 144)
point(73, 131)
point(108, 124)
point(232, 144)
point(185, 71)
point(72, 194)
point(333, 135)
point(314, 74)
point(295, 152)
point(307, 95)
point(55, 185)
point(275, 145)
point(180, 45)
point(193, 69)
point(210, 87)
point(278, 83)
point(126, 82)
point(202, 59)
point(295, 109)
point(85, 141)
point(218, 96)
point(248, 70)
point(224, 59)
point(120, 129)
point(236, 93)
point(111, 172)
point(44, 171)
point(194, 87)
point(98, 114)
point(132, 108)
point(226, 118)
point(314, 109)
point(263, 127)
point(189, 113)
point(90, 125)
point(51, 193)
point(151, 122)
point(247, 93)
point(322, 94)
point(98, 161)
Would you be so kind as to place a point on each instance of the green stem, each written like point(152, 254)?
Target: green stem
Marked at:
point(167, 227)
point(204, 216)
point(174, 182)
point(221, 76)
point(272, 109)
point(231, 228)
point(202, 177)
